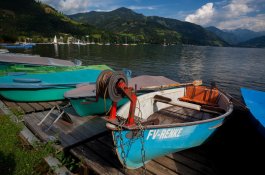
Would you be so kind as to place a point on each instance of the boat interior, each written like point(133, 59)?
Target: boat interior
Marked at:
point(182, 105)
point(210, 100)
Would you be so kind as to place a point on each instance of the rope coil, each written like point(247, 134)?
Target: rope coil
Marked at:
point(106, 85)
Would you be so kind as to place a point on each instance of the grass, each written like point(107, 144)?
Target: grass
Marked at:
point(20, 159)
point(15, 158)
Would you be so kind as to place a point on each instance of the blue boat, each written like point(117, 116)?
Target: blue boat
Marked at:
point(44, 87)
point(20, 46)
point(255, 101)
point(167, 121)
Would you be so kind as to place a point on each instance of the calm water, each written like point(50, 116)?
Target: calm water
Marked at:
point(230, 68)
point(236, 147)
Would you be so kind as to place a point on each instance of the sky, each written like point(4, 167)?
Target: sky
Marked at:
point(223, 14)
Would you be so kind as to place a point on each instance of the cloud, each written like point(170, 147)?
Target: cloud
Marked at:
point(237, 8)
point(256, 23)
point(142, 7)
point(203, 15)
point(231, 14)
point(76, 6)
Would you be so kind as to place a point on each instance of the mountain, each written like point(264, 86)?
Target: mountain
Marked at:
point(29, 18)
point(226, 36)
point(151, 29)
point(245, 34)
point(255, 42)
point(234, 37)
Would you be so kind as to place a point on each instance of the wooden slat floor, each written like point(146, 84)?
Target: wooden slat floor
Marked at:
point(96, 148)
point(31, 107)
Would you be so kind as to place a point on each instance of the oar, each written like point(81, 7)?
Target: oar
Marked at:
point(231, 98)
point(195, 83)
point(167, 100)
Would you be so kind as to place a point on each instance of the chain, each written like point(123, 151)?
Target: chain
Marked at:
point(141, 127)
point(123, 156)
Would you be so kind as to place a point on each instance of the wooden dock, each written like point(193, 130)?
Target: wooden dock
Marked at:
point(31, 107)
point(88, 140)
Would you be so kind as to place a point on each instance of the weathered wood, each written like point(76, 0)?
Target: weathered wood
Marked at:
point(45, 105)
point(36, 107)
point(98, 151)
point(175, 166)
point(9, 103)
point(156, 168)
point(94, 162)
point(31, 122)
point(191, 154)
point(26, 108)
point(204, 169)
point(108, 155)
point(56, 166)
point(27, 135)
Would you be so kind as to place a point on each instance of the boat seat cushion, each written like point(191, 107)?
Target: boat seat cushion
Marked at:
point(201, 95)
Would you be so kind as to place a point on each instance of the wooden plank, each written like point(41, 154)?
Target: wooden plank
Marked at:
point(56, 165)
point(36, 106)
point(31, 122)
point(108, 155)
point(156, 168)
point(82, 129)
point(45, 105)
point(93, 161)
point(175, 166)
point(26, 108)
point(68, 135)
point(204, 169)
point(52, 103)
point(65, 139)
point(27, 135)
point(191, 154)
point(9, 103)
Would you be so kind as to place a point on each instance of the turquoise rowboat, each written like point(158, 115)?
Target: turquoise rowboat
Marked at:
point(9, 58)
point(168, 121)
point(31, 69)
point(82, 98)
point(44, 87)
point(255, 101)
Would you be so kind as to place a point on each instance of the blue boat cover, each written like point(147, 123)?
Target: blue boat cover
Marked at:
point(49, 80)
point(255, 101)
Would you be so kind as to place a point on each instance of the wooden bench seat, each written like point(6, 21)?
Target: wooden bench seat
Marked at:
point(201, 95)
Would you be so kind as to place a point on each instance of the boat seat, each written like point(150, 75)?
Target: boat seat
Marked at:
point(201, 95)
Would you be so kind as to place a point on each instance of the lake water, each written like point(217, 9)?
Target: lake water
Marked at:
point(236, 146)
point(230, 68)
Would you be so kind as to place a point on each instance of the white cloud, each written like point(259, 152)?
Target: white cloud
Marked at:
point(232, 14)
point(203, 15)
point(142, 7)
point(256, 23)
point(76, 6)
point(237, 8)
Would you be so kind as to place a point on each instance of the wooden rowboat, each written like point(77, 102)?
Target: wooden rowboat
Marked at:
point(82, 97)
point(167, 121)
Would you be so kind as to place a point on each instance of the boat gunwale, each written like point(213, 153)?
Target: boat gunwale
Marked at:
point(227, 113)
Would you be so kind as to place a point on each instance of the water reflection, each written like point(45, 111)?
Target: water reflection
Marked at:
point(230, 68)
point(56, 50)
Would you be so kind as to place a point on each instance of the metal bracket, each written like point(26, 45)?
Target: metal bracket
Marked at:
point(57, 118)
